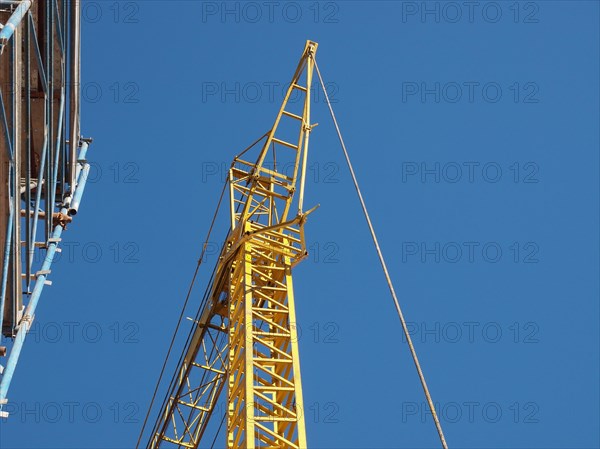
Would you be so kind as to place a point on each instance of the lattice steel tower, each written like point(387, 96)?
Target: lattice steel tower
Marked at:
point(244, 339)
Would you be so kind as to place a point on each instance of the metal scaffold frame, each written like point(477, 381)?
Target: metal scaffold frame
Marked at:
point(44, 167)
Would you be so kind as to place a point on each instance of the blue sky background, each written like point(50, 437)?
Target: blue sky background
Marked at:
point(474, 135)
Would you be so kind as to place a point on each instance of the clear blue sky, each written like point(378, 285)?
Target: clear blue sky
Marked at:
point(474, 133)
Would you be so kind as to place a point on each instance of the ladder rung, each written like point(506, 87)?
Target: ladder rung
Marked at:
point(272, 334)
point(41, 213)
point(284, 143)
point(297, 86)
point(36, 244)
point(272, 388)
point(289, 114)
point(259, 360)
point(189, 404)
point(208, 368)
point(177, 442)
point(262, 418)
point(263, 310)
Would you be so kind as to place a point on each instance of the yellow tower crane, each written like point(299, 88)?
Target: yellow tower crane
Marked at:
point(245, 335)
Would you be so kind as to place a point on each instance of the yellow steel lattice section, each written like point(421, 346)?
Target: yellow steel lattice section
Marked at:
point(199, 381)
point(265, 407)
point(245, 337)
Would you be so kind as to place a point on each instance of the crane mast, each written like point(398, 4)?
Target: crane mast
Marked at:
point(244, 338)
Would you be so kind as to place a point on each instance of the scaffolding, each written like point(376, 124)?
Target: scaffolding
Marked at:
point(43, 167)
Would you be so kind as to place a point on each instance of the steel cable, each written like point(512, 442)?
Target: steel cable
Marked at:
point(385, 270)
point(182, 313)
point(187, 300)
